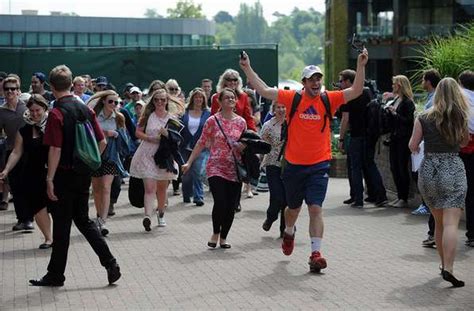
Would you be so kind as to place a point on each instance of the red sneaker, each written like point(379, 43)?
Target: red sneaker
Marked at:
point(288, 243)
point(316, 262)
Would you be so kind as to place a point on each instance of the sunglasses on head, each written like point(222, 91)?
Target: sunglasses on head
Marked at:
point(111, 101)
point(10, 89)
point(232, 79)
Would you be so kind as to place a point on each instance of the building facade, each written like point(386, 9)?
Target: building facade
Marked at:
point(36, 31)
point(392, 30)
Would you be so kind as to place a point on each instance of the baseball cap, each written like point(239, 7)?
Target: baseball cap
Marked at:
point(135, 89)
point(127, 87)
point(140, 102)
point(41, 76)
point(309, 71)
point(101, 80)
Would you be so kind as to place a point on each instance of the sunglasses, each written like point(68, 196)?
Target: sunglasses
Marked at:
point(232, 79)
point(173, 88)
point(12, 89)
point(158, 99)
point(111, 101)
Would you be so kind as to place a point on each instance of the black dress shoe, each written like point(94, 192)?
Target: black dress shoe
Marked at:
point(447, 276)
point(370, 200)
point(46, 281)
point(28, 225)
point(199, 203)
point(226, 245)
point(349, 201)
point(266, 225)
point(113, 273)
point(19, 226)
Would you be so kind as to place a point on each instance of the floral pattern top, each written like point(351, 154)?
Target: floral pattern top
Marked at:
point(271, 133)
point(221, 162)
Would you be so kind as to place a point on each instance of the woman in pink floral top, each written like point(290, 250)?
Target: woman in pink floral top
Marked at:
point(221, 171)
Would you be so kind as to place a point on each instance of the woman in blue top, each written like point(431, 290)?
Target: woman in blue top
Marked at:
point(193, 119)
point(110, 121)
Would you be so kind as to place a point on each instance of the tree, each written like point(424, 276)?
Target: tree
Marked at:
point(225, 33)
point(223, 17)
point(186, 9)
point(152, 13)
point(251, 26)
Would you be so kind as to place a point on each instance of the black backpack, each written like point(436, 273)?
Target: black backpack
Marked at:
point(377, 119)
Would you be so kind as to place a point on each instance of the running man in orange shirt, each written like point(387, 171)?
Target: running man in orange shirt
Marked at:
point(308, 149)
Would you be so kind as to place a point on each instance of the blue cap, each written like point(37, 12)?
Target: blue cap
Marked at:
point(101, 80)
point(41, 76)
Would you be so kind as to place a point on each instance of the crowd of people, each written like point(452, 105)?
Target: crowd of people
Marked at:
point(162, 135)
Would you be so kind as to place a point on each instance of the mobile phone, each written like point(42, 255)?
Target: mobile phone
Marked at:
point(357, 44)
point(242, 55)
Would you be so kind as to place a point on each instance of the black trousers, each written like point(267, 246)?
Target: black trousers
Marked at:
point(468, 160)
point(226, 195)
point(22, 211)
point(399, 159)
point(72, 191)
point(277, 195)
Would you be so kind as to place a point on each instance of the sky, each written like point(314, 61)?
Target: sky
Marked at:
point(136, 8)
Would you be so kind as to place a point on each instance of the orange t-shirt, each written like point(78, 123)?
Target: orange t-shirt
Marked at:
point(306, 144)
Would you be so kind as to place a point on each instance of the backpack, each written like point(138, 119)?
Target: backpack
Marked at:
point(86, 155)
point(294, 106)
point(377, 119)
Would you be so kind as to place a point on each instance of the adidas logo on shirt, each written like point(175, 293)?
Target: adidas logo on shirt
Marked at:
point(310, 114)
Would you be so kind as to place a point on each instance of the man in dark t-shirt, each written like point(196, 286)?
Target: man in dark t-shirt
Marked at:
point(354, 117)
point(68, 189)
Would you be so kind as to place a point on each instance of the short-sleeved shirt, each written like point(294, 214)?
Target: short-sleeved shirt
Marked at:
point(221, 162)
point(11, 121)
point(107, 123)
point(306, 144)
point(53, 135)
point(357, 109)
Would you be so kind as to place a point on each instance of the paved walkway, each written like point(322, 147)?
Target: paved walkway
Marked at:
point(375, 262)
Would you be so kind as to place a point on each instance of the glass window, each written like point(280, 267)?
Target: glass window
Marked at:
point(32, 39)
point(143, 40)
point(186, 40)
point(177, 40)
point(166, 39)
point(69, 39)
point(107, 39)
point(94, 39)
point(18, 38)
point(131, 39)
point(119, 39)
point(57, 39)
point(195, 39)
point(5, 38)
point(44, 39)
point(82, 39)
point(155, 40)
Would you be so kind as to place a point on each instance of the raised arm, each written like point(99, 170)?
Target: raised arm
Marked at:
point(260, 86)
point(357, 87)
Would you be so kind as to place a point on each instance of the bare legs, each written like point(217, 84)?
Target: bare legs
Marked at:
point(155, 189)
point(44, 224)
point(446, 235)
point(101, 188)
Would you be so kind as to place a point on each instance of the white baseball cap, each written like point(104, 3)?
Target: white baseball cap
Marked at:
point(309, 71)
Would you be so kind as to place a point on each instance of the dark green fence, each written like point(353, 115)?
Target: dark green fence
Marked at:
point(140, 67)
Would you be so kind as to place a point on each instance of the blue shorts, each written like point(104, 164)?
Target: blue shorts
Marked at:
point(308, 182)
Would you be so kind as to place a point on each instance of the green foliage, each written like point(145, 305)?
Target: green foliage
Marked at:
point(225, 33)
point(186, 9)
point(152, 13)
point(223, 17)
point(300, 35)
point(250, 24)
point(449, 55)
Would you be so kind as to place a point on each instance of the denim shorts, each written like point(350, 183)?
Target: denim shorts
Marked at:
point(306, 182)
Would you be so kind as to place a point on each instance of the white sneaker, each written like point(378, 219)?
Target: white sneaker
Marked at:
point(161, 221)
point(401, 204)
point(392, 203)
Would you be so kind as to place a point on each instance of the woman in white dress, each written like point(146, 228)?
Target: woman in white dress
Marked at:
point(151, 126)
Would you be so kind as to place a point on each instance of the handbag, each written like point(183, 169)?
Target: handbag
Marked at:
point(242, 174)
